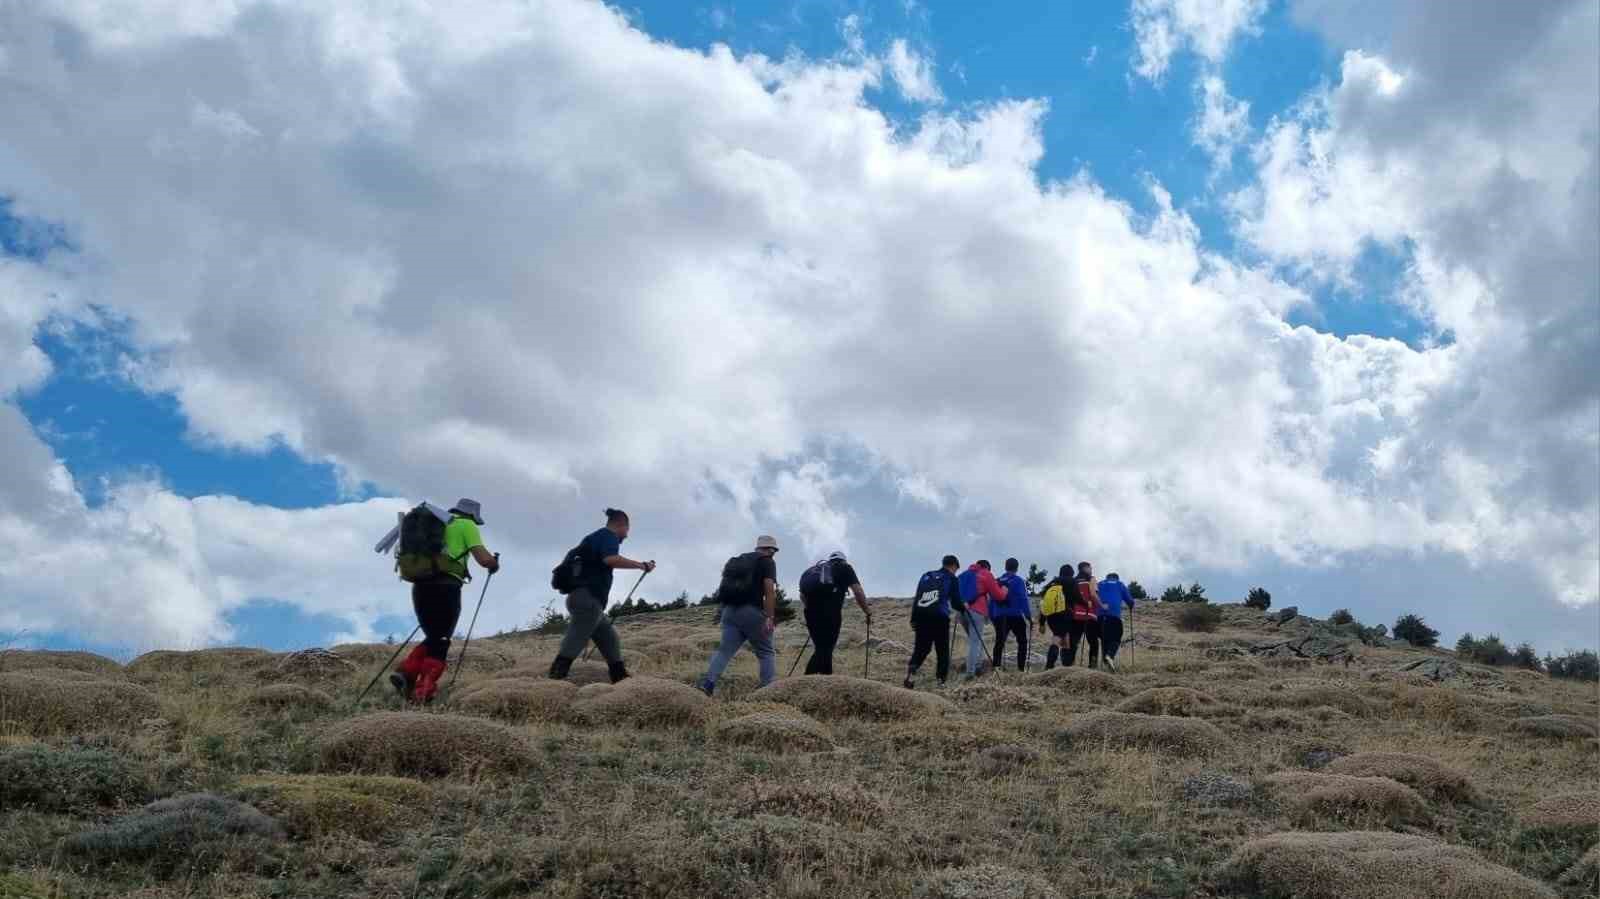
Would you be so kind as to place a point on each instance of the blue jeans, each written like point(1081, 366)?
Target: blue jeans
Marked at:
point(976, 654)
point(741, 624)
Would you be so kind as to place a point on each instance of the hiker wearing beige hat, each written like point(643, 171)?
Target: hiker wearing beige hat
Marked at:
point(748, 595)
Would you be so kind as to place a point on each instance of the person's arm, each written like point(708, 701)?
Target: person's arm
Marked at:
point(861, 600)
point(621, 561)
point(489, 561)
point(769, 602)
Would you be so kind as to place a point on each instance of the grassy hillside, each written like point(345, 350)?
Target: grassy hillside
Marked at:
point(1199, 770)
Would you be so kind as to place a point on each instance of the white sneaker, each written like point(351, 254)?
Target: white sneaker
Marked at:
point(1110, 663)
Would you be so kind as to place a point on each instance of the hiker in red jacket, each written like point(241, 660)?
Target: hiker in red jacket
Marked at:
point(1085, 617)
point(978, 588)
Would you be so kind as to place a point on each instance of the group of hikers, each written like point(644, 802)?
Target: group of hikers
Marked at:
point(433, 545)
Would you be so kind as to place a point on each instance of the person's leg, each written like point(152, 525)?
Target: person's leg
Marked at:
point(1020, 625)
point(813, 618)
point(583, 616)
point(438, 613)
point(732, 639)
point(833, 623)
point(999, 643)
point(1091, 632)
point(974, 643)
point(752, 623)
point(610, 645)
point(1074, 634)
point(941, 649)
point(1110, 637)
point(920, 645)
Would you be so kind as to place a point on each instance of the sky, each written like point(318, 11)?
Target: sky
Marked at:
point(1299, 294)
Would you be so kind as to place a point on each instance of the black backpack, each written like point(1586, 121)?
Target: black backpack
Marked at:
point(421, 556)
point(816, 580)
point(567, 576)
point(741, 581)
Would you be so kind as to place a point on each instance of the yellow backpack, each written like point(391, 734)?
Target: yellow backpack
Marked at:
point(1054, 600)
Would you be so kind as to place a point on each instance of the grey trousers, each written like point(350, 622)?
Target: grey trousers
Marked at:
point(587, 620)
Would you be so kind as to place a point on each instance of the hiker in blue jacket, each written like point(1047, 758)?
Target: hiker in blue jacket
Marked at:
point(938, 592)
point(1011, 615)
point(1113, 596)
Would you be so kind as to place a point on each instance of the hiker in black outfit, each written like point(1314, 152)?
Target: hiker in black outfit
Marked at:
point(822, 590)
point(937, 593)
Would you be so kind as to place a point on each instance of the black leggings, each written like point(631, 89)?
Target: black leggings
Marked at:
point(933, 632)
point(1077, 631)
point(1110, 636)
point(438, 607)
point(1019, 626)
point(823, 620)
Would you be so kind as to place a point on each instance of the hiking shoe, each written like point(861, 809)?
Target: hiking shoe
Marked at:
point(617, 670)
point(400, 684)
point(909, 684)
point(560, 667)
point(1111, 664)
point(708, 689)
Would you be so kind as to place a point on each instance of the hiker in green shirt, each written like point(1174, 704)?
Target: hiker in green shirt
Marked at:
point(437, 602)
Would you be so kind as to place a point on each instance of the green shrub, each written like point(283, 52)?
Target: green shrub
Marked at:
point(58, 780)
point(1413, 630)
point(1580, 665)
point(1258, 599)
point(1199, 616)
point(198, 827)
point(1172, 594)
point(1341, 616)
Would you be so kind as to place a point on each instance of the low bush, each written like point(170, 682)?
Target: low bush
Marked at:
point(232, 659)
point(315, 806)
point(290, 696)
point(851, 806)
point(421, 744)
point(986, 695)
point(1421, 773)
point(1197, 617)
point(198, 828)
point(646, 702)
point(775, 732)
point(1307, 697)
point(985, 881)
point(29, 659)
point(1083, 682)
point(951, 738)
point(43, 706)
point(519, 699)
point(1161, 732)
point(60, 780)
point(1585, 872)
point(1348, 800)
point(1577, 812)
point(834, 697)
point(1373, 865)
point(1181, 702)
point(1557, 727)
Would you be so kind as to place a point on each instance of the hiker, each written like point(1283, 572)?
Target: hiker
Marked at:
point(978, 589)
point(938, 591)
point(1085, 617)
point(748, 600)
point(436, 591)
point(1053, 614)
point(596, 557)
point(1113, 596)
point(1011, 615)
point(822, 590)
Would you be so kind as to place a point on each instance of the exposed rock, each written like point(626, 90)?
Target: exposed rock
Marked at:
point(1433, 669)
point(1318, 645)
point(1216, 789)
point(1287, 613)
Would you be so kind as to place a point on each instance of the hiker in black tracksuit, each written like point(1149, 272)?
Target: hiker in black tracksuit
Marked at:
point(938, 592)
point(822, 590)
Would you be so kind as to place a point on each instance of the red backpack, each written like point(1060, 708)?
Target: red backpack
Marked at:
point(1087, 606)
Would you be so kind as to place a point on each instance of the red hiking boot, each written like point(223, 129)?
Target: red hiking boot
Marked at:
point(428, 680)
point(404, 678)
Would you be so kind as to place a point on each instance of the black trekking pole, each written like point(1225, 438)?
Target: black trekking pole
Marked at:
point(966, 616)
point(801, 654)
point(866, 655)
point(468, 642)
point(590, 650)
point(387, 664)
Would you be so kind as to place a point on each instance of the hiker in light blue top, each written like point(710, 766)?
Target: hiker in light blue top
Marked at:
point(1113, 596)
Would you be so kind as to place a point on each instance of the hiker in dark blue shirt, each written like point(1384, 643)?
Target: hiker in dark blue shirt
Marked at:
point(601, 552)
point(938, 592)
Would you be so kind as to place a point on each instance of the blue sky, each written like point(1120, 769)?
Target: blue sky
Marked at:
point(1123, 132)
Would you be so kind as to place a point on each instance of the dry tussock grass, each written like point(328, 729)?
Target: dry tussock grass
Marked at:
point(70, 674)
point(582, 673)
point(1443, 705)
point(1159, 732)
point(1307, 697)
point(1181, 702)
point(647, 702)
point(1576, 811)
point(1348, 800)
point(1423, 774)
point(834, 697)
point(41, 705)
point(27, 659)
point(591, 691)
point(1286, 663)
point(518, 699)
point(421, 744)
point(163, 662)
point(985, 881)
point(948, 737)
point(315, 806)
point(1083, 682)
point(852, 806)
point(1372, 865)
point(1585, 872)
point(774, 731)
point(986, 695)
point(289, 696)
point(1557, 727)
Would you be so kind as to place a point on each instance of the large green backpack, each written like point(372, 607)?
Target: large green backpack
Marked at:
point(421, 555)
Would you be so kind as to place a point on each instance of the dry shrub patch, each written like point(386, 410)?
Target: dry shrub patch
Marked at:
point(28, 659)
point(188, 661)
point(1419, 772)
point(1327, 695)
point(1161, 732)
point(184, 826)
point(519, 699)
point(582, 673)
point(421, 744)
point(853, 806)
point(1287, 663)
point(647, 702)
point(1011, 755)
point(590, 691)
point(58, 780)
point(1084, 682)
point(948, 737)
point(1577, 811)
point(792, 731)
point(1585, 872)
point(1181, 702)
point(990, 696)
point(833, 697)
point(985, 881)
point(290, 696)
point(1435, 703)
point(1373, 865)
point(42, 705)
point(1559, 727)
point(320, 805)
point(1349, 800)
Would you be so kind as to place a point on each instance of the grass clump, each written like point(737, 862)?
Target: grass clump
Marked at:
point(854, 807)
point(43, 706)
point(1373, 865)
point(1348, 800)
point(985, 881)
point(1199, 617)
point(1126, 730)
point(1419, 772)
point(647, 702)
point(1585, 872)
point(1557, 727)
point(1431, 702)
point(1577, 812)
point(60, 780)
point(519, 699)
point(1327, 695)
point(1085, 682)
point(31, 659)
point(16, 886)
point(320, 805)
point(775, 732)
point(955, 738)
point(986, 695)
point(289, 696)
point(162, 662)
point(1180, 702)
point(198, 827)
point(421, 744)
point(834, 697)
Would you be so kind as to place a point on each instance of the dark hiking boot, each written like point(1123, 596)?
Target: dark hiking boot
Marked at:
point(617, 670)
point(560, 667)
point(909, 684)
point(401, 684)
point(709, 689)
